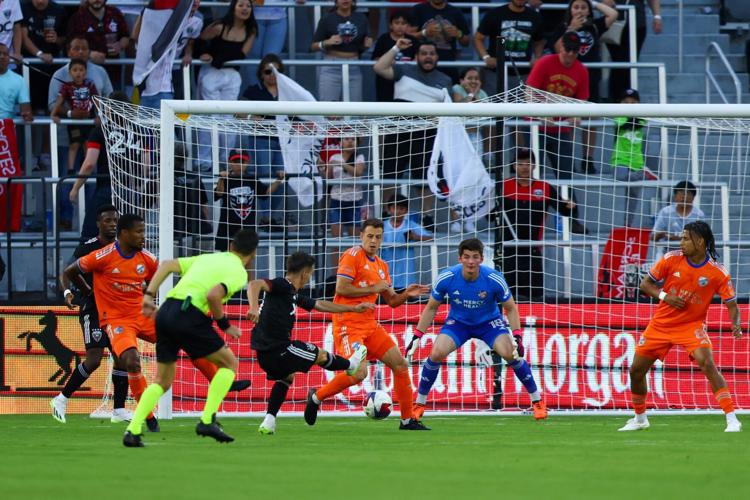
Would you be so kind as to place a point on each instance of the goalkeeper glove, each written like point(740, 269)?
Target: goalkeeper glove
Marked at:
point(518, 341)
point(411, 348)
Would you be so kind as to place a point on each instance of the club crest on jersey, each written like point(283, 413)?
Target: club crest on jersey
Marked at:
point(97, 334)
point(118, 329)
point(482, 294)
point(381, 274)
point(703, 281)
point(140, 268)
point(642, 340)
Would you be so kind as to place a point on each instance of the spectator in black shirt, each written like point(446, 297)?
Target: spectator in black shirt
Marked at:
point(525, 202)
point(445, 26)
point(42, 30)
point(280, 356)
point(398, 25)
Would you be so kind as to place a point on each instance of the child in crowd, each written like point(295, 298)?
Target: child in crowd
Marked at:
point(399, 229)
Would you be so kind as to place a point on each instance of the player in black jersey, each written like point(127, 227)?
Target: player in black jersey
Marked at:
point(94, 338)
point(280, 356)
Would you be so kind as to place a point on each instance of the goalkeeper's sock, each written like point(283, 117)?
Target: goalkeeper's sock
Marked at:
point(336, 363)
point(725, 400)
point(430, 371)
point(120, 388)
point(338, 384)
point(146, 405)
point(76, 380)
point(277, 397)
point(523, 373)
point(207, 368)
point(217, 391)
point(402, 388)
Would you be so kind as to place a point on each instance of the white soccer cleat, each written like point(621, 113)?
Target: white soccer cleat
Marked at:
point(268, 426)
point(356, 359)
point(59, 404)
point(733, 426)
point(121, 415)
point(634, 425)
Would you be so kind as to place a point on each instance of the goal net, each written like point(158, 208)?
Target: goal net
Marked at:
point(568, 198)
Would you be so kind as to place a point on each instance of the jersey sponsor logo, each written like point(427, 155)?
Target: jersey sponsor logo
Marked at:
point(140, 268)
point(702, 281)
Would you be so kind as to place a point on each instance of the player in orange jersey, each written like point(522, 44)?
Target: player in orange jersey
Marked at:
point(361, 277)
point(121, 271)
point(691, 278)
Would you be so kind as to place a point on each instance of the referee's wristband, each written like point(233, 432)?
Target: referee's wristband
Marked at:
point(662, 295)
point(223, 323)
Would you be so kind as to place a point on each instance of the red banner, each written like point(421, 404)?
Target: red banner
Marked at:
point(620, 267)
point(10, 166)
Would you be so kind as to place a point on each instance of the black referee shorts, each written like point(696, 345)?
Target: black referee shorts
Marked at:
point(93, 335)
point(189, 330)
point(296, 357)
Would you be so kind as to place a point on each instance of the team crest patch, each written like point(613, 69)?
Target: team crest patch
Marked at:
point(703, 281)
point(482, 294)
point(97, 334)
point(642, 341)
point(118, 329)
point(140, 268)
point(381, 274)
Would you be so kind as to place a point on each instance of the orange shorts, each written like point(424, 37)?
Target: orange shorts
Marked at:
point(124, 333)
point(655, 343)
point(373, 336)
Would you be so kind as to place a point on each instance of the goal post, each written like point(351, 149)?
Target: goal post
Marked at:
point(578, 293)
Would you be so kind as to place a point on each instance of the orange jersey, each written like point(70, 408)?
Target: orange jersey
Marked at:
point(118, 280)
point(363, 271)
point(697, 285)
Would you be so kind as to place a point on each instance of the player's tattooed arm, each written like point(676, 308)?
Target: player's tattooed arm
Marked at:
point(253, 295)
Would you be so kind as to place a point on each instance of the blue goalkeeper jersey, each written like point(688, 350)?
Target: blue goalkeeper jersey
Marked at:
point(472, 302)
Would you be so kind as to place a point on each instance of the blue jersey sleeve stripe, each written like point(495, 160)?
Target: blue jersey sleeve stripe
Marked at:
point(730, 299)
point(346, 276)
point(441, 278)
point(652, 276)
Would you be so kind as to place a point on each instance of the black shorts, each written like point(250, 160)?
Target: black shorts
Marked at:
point(189, 330)
point(296, 357)
point(93, 335)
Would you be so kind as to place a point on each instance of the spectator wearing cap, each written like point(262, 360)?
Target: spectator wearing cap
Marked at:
point(565, 75)
point(398, 230)
point(671, 219)
point(238, 192)
point(628, 156)
point(525, 202)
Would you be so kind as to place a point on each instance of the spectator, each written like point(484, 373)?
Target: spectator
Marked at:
point(75, 95)
point(619, 79)
point(346, 200)
point(521, 26)
point(410, 151)
point(272, 30)
point(444, 25)
point(13, 90)
point(627, 158)
point(525, 202)
point(398, 24)
point(342, 36)
point(105, 29)
point(78, 48)
point(238, 192)
point(42, 31)
point(562, 74)
point(229, 39)
point(96, 157)
point(671, 219)
point(159, 82)
point(11, 34)
point(399, 230)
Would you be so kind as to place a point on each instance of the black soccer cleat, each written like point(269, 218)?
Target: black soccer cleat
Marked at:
point(413, 425)
point(131, 440)
point(213, 430)
point(239, 385)
point(152, 425)
point(311, 408)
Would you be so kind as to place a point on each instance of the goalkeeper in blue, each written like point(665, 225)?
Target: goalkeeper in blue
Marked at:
point(473, 292)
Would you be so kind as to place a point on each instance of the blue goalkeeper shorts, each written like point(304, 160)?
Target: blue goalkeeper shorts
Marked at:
point(487, 332)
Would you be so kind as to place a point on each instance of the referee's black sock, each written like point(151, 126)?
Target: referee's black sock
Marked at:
point(277, 397)
point(76, 380)
point(336, 363)
point(120, 386)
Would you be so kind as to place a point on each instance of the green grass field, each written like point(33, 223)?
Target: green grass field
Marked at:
point(463, 457)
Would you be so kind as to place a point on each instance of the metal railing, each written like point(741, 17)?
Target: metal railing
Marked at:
point(711, 81)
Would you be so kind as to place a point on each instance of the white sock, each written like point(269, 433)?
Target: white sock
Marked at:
point(535, 396)
point(421, 398)
point(315, 399)
point(62, 396)
point(640, 418)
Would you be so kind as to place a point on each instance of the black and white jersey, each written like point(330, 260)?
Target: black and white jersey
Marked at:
point(277, 315)
point(87, 303)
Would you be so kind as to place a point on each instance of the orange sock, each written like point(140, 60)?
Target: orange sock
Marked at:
point(207, 368)
point(339, 383)
point(404, 393)
point(725, 400)
point(639, 403)
point(137, 383)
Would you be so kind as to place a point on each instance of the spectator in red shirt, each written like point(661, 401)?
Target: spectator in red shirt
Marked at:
point(106, 30)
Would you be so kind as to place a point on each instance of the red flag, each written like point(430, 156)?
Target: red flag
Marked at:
point(620, 267)
point(10, 166)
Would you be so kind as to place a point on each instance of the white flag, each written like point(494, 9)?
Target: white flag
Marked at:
point(162, 23)
point(300, 143)
point(456, 172)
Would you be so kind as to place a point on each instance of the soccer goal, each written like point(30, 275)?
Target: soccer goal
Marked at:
point(564, 195)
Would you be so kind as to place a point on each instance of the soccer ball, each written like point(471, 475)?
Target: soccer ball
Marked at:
point(377, 405)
